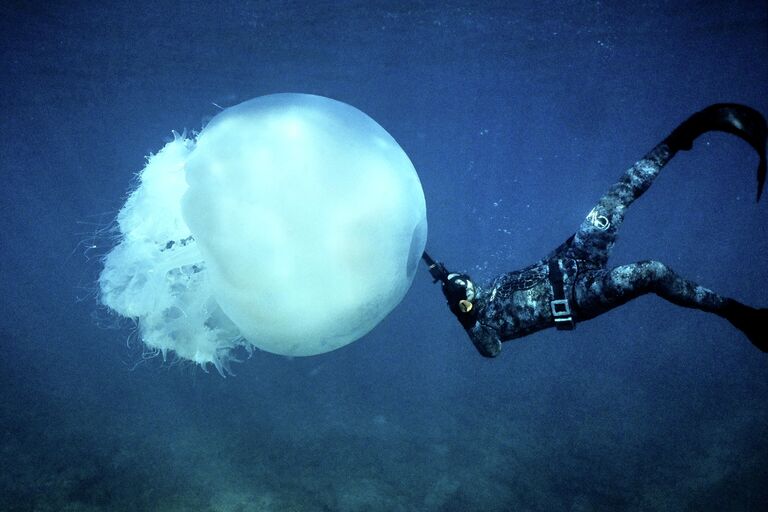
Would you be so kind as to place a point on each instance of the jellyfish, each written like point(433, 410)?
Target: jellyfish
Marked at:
point(291, 223)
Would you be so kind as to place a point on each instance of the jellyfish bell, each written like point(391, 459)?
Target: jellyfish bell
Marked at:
point(292, 223)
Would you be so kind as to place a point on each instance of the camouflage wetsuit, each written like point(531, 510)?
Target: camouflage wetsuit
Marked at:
point(574, 284)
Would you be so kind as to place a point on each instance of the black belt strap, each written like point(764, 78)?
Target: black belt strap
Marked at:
point(561, 308)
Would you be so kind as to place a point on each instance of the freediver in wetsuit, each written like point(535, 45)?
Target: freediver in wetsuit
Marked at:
point(573, 283)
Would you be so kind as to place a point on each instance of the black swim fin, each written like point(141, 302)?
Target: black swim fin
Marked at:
point(746, 123)
point(751, 321)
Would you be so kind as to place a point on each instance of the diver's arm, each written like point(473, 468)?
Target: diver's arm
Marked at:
point(460, 294)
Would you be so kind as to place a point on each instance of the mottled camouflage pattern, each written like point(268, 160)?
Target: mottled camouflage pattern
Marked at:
point(518, 303)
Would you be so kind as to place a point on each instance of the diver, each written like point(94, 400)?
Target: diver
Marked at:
point(573, 283)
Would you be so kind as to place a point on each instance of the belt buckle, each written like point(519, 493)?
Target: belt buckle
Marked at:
point(561, 311)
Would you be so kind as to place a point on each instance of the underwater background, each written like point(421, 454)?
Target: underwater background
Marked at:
point(517, 116)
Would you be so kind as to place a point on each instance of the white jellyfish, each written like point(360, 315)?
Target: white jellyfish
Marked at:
point(293, 223)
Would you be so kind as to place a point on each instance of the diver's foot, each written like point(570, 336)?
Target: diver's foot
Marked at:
point(751, 321)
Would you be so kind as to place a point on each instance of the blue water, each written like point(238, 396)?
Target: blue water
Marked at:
point(517, 118)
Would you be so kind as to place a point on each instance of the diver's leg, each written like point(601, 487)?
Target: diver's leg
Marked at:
point(598, 291)
point(597, 234)
point(601, 290)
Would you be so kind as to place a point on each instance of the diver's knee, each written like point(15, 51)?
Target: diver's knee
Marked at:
point(655, 271)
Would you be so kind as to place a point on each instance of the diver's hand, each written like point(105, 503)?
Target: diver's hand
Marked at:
point(460, 294)
point(458, 290)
